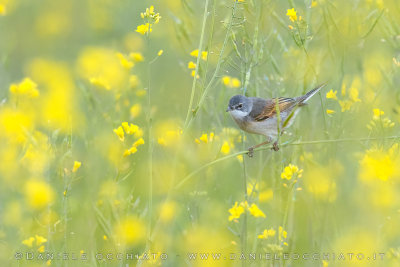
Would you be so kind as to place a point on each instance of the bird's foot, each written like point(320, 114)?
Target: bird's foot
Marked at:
point(275, 146)
point(251, 152)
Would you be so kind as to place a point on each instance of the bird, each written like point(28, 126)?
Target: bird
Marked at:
point(260, 116)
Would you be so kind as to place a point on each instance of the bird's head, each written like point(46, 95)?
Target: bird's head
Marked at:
point(239, 105)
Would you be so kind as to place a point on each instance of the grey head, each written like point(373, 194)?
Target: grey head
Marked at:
point(239, 105)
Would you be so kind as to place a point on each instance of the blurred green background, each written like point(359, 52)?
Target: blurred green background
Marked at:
point(114, 139)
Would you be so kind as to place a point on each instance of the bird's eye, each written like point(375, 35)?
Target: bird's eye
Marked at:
point(240, 106)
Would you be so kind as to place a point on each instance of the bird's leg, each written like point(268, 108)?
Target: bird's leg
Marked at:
point(275, 146)
point(251, 149)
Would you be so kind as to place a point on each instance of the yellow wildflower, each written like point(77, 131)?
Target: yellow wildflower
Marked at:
point(314, 3)
point(380, 164)
point(191, 65)
point(40, 249)
point(130, 230)
point(235, 82)
point(330, 111)
point(38, 193)
point(144, 28)
point(100, 82)
point(267, 233)
point(160, 52)
point(135, 110)
point(204, 138)
point(255, 211)
point(195, 53)
point(139, 142)
point(345, 105)
point(105, 237)
point(353, 95)
point(332, 95)
point(28, 242)
point(266, 195)
point(377, 113)
point(26, 87)
point(167, 211)
point(291, 13)
point(77, 165)
point(240, 158)
point(290, 171)
point(120, 133)
point(231, 82)
point(136, 57)
point(225, 149)
point(133, 81)
point(124, 61)
point(3, 10)
point(235, 212)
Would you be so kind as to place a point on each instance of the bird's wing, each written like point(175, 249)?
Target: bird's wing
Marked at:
point(269, 109)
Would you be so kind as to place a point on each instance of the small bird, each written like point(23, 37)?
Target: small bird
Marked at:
point(259, 116)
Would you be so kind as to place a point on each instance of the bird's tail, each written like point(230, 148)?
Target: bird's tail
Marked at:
point(303, 99)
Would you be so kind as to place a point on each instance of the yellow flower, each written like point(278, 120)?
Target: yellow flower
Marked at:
point(124, 61)
point(40, 240)
point(191, 65)
point(77, 165)
point(266, 195)
point(345, 105)
point(353, 95)
point(235, 212)
point(168, 211)
point(195, 53)
point(240, 158)
point(267, 233)
point(291, 13)
point(204, 138)
point(129, 128)
point(226, 80)
point(314, 3)
point(41, 249)
point(136, 57)
point(28, 242)
point(235, 82)
point(133, 81)
point(38, 194)
point(160, 52)
point(225, 149)
point(231, 82)
point(100, 82)
point(3, 10)
point(255, 211)
point(290, 171)
point(105, 237)
point(377, 113)
point(120, 133)
point(282, 233)
point(26, 87)
point(380, 164)
point(332, 95)
point(135, 110)
point(139, 142)
point(330, 111)
point(144, 28)
point(130, 230)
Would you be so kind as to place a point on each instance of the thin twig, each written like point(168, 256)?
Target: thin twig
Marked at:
point(315, 142)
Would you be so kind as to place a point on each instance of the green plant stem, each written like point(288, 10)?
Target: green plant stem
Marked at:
point(315, 142)
point(216, 72)
point(197, 65)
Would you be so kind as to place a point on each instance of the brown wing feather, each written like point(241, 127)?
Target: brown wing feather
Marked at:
point(270, 110)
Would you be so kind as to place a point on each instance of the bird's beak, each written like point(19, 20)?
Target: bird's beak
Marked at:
point(228, 109)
